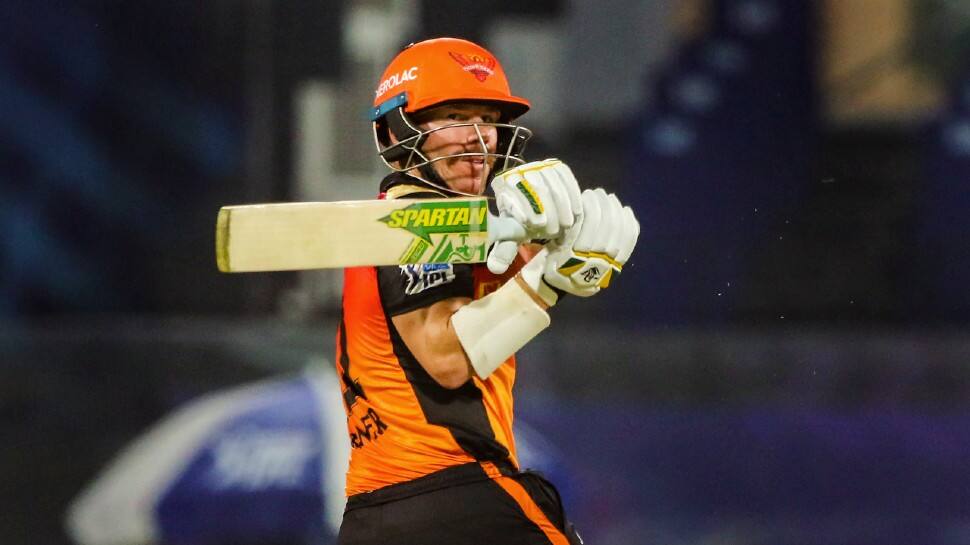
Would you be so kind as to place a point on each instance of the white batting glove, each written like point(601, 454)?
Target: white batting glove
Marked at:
point(505, 229)
point(504, 236)
point(543, 197)
point(594, 249)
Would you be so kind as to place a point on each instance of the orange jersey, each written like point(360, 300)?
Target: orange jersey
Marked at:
point(403, 424)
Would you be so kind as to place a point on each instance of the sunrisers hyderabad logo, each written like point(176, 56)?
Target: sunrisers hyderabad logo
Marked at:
point(479, 66)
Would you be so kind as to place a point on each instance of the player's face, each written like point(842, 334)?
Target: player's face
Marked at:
point(466, 174)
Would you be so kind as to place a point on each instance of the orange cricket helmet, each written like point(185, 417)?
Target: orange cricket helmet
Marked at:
point(442, 70)
point(436, 72)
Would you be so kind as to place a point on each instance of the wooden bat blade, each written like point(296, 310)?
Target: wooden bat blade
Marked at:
point(320, 235)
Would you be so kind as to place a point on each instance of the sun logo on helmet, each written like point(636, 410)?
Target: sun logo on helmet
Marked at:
point(479, 66)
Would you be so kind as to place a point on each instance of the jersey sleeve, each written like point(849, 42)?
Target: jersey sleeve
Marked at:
point(408, 287)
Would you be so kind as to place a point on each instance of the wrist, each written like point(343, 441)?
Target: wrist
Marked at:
point(542, 301)
point(531, 280)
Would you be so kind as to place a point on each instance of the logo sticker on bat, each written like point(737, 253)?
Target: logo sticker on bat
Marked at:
point(441, 230)
point(423, 219)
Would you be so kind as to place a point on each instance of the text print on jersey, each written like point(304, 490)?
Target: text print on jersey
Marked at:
point(370, 428)
point(422, 277)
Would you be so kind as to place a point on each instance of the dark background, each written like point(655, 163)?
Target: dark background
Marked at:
point(784, 360)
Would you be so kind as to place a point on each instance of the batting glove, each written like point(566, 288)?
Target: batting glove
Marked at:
point(595, 248)
point(543, 197)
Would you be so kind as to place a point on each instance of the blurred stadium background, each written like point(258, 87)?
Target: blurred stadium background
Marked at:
point(786, 361)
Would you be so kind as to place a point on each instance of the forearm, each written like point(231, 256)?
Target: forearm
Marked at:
point(447, 362)
point(429, 335)
point(455, 339)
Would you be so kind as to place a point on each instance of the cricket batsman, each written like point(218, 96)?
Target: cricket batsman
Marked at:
point(426, 353)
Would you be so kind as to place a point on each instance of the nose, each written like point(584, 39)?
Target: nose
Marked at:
point(487, 132)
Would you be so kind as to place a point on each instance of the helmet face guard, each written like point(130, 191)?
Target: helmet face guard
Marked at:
point(406, 154)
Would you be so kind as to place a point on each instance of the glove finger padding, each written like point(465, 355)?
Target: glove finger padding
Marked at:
point(565, 192)
point(607, 225)
point(542, 195)
point(592, 216)
point(535, 189)
point(594, 249)
point(520, 198)
point(631, 231)
point(572, 189)
point(618, 232)
point(510, 203)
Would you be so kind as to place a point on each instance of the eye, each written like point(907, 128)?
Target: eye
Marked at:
point(456, 117)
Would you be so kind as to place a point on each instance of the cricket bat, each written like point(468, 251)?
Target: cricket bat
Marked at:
point(321, 235)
